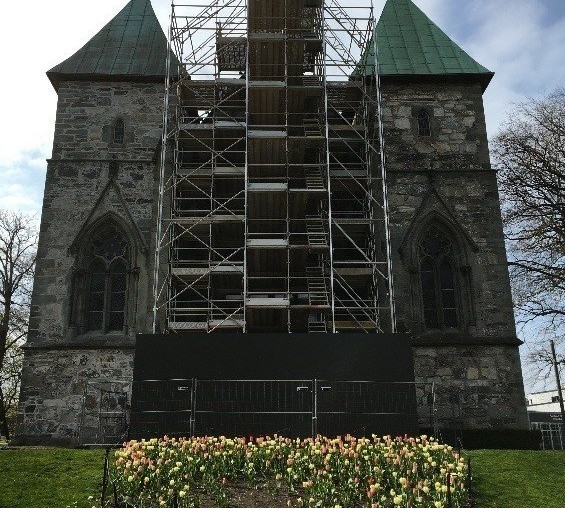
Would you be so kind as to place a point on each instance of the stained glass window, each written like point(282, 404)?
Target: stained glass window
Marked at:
point(107, 288)
point(117, 293)
point(109, 246)
point(437, 278)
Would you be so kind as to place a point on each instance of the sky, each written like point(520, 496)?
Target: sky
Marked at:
point(522, 41)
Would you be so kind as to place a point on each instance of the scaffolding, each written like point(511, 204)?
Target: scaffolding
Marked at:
point(272, 194)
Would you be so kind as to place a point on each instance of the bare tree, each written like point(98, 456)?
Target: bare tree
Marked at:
point(542, 361)
point(529, 154)
point(18, 240)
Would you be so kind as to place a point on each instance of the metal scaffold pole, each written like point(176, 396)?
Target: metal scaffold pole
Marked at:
point(386, 213)
point(162, 166)
point(277, 205)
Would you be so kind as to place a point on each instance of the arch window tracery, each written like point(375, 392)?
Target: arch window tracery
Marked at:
point(107, 281)
point(436, 255)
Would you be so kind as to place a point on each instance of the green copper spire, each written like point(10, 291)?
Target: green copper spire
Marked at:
point(132, 46)
point(410, 44)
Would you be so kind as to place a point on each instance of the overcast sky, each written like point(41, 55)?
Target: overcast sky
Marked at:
point(522, 41)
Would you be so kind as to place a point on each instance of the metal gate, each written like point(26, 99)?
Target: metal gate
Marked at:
point(163, 407)
point(104, 414)
point(254, 407)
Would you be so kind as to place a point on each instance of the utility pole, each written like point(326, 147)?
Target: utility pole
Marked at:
point(559, 391)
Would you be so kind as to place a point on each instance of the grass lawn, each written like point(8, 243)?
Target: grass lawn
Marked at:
point(57, 478)
point(49, 477)
point(518, 479)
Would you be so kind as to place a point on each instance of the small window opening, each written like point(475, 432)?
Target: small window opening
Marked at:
point(424, 128)
point(113, 169)
point(119, 129)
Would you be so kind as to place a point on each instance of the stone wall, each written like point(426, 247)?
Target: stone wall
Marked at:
point(467, 204)
point(90, 180)
point(474, 386)
point(53, 408)
point(86, 112)
point(447, 178)
point(81, 187)
point(458, 138)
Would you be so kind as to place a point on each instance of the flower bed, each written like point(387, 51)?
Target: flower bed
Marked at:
point(321, 472)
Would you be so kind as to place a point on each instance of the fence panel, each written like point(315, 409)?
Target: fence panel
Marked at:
point(366, 407)
point(552, 435)
point(186, 407)
point(162, 407)
point(253, 407)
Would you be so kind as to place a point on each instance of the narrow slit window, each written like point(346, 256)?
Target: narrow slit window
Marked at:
point(119, 130)
point(424, 129)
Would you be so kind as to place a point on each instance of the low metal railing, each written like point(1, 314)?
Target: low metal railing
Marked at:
point(294, 407)
point(300, 407)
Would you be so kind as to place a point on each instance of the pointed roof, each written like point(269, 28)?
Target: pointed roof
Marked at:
point(132, 46)
point(410, 44)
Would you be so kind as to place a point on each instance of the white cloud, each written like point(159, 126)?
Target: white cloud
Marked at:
point(523, 44)
point(32, 42)
point(22, 179)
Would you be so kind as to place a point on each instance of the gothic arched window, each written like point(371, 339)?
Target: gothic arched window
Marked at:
point(424, 128)
point(438, 281)
point(119, 131)
point(107, 281)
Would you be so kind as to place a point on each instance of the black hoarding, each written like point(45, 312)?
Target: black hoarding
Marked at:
point(343, 356)
point(291, 384)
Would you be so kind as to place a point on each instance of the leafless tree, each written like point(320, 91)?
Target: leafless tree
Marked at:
point(18, 240)
point(541, 359)
point(529, 154)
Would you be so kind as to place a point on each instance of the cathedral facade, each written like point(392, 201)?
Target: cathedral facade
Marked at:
point(94, 282)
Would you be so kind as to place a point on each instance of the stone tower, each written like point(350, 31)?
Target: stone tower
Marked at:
point(451, 282)
point(93, 284)
point(98, 211)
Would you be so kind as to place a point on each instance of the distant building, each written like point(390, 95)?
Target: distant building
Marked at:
point(543, 402)
point(544, 413)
